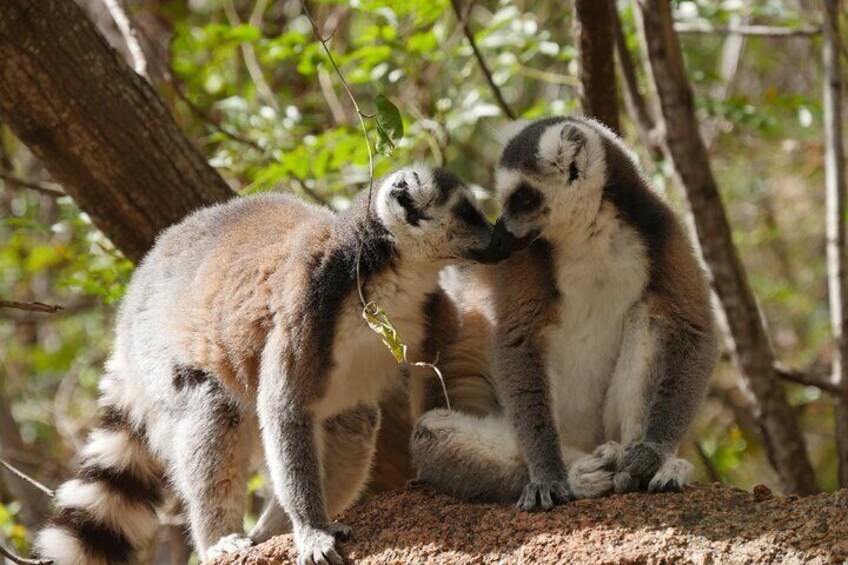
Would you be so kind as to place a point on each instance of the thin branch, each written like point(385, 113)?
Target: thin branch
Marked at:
point(20, 560)
point(251, 62)
point(31, 306)
point(311, 193)
point(751, 30)
point(323, 41)
point(469, 35)
point(27, 478)
point(41, 187)
point(209, 120)
point(817, 375)
point(125, 26)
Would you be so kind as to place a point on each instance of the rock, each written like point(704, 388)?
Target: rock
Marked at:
point(704, 524)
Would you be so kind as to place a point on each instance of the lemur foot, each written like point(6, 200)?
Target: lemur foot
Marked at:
point(318, 547)
point(228, 544)
point(672, 476)
point(543, 495)
point(593, 475)
point(340, 531)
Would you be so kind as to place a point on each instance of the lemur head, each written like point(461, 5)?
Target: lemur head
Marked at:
point(550, 178)
point(433, 215)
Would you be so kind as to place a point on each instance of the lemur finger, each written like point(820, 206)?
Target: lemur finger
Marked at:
point(340, 531)
point(545, 498)
point(529, 498)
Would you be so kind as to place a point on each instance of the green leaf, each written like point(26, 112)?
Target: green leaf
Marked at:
point(389, 124)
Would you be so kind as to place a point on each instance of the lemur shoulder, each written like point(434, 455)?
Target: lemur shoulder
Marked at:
point(242, 329)
point(581, 360)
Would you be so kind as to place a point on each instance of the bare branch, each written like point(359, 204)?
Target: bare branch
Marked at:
point(251, 62)
point(311, 193)
point(20, 560)
point(750, 30)
point(837, 260)
point(817, 375)
point(41, 187)
point(635, 103)
point(21, 475)
point(122, 20)
point(469, 35)
point(31, 306)
point(594, 38)
point(751, 351)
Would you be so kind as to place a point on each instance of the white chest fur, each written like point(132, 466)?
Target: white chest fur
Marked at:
point(363, 367)
point(599, 279)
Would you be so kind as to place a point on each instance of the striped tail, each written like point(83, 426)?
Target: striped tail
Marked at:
point(110, 508)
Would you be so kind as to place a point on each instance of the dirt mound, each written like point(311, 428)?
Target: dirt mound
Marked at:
point(705, 524)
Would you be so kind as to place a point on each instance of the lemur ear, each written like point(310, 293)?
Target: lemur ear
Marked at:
point(561, 150)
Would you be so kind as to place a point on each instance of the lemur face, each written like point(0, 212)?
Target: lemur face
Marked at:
point(550, 174)
point(432, 214)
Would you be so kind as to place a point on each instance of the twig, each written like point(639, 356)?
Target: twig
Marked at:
point(311, 193)
point(208, 119)
point(323, 41)
point(496, 91)
point(251, 62)
point(27, 478)
point(32, 306)
point(125, 26)
point(43, 188)
point(753, 30)
point(20, 560)
point(712, 472)
point(816, 376)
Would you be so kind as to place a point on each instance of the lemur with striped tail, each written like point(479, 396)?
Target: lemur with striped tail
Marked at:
point(242, 329)
point(581, 360)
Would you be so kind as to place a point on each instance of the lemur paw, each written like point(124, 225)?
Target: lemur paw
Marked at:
point(317, 547)
point(543, 495)
point(672, 476)
point(228, 544)
point(593, 475)
point(340, 531)
point(642, 460)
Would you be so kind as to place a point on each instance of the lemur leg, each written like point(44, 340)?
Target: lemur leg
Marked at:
point(290, 438)
point(470, 457)
point(212, 445)
point(350, 439)
point(525, 385)
point(673, 363)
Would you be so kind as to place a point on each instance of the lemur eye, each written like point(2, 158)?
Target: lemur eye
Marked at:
point(524, 199)
point(573, 173)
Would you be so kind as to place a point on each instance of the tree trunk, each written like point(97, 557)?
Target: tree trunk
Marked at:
point(753, 353)
point(593, 36)
point(102, 131)
point(834, 163)
point(99, 128)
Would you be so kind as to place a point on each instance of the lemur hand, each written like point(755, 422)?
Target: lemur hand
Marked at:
point(318, 547)
point(543, 495)
point(642, 459)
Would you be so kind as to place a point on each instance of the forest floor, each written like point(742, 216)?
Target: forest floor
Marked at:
point(706, 524)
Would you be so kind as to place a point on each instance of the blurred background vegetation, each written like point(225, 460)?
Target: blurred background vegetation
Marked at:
point(250, 85)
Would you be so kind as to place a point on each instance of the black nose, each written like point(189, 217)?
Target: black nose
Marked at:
point(504, 240)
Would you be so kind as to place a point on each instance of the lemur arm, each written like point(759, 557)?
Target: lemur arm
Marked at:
point(524, 380)
point(684, 358)
point(289, 439)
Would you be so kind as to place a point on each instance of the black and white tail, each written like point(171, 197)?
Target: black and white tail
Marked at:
point(109, 509)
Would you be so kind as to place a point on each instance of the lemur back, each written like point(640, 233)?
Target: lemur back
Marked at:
point(599, 338)
point(241, 332)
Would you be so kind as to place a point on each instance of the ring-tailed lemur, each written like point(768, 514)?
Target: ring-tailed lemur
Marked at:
point(244, 322)
point(581, 360)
